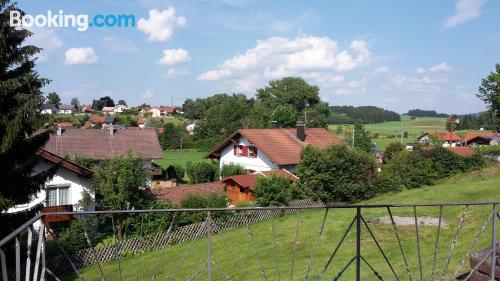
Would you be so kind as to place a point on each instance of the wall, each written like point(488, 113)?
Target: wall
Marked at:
point(261, 163)
point(63, 176)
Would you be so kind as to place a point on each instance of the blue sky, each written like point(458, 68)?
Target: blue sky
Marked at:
point(395, 54)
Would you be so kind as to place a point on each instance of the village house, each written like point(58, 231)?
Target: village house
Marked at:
point(447, 139)
point(113, 109)
point(49, 108)
point(481, 138)
point(64, 191)
point(270, 149)
point(240, 188)
point(141, 122)
point(160, 111)
point(67, 109)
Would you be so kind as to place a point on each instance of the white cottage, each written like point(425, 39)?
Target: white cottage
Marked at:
point(64, 190)
point(270, 149)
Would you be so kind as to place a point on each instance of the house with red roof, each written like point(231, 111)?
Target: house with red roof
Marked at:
point(240, 188)
point(448, 138)
point(481, 138)
point(270, 149)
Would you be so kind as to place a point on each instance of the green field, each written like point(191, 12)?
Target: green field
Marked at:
point(181, 157)
point(243, 257)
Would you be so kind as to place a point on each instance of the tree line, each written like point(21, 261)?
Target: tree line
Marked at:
point(425, 113)
point(346, 114)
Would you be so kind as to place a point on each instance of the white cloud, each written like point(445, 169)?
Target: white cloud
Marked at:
point(174, 72)
point(420, 70)
point(465, 10)
point(442, 67)
point(44, 38)
point(147, 94)
point(424, 84)
point(81, 56)
point(174, 56)
point(317, 58)
point(160, 25)
point(120, 45)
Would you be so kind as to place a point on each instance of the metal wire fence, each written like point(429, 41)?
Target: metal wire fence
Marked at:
point(448, 241)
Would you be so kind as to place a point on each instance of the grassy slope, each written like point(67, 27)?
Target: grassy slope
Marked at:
point(241, 257)
point(171, 157)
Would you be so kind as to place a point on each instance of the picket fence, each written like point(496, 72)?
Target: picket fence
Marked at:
point(60, 264)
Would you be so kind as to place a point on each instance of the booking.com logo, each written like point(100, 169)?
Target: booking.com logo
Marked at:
point(80, 22)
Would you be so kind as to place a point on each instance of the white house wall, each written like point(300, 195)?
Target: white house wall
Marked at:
point(260, 163)
point(63, 176)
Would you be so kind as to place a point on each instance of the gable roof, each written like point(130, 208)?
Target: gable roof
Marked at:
point(50, 106)
point(442, 136)
point(177, 193)
point(99, 144)
point(462, 150)
point(97, 118)
point(56, 159)
point(280, 145)
point(250, 180)
point(67, 107)
point(472, 135)
point(108, 109)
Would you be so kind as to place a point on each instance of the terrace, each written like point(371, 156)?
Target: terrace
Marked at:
point(445, 241)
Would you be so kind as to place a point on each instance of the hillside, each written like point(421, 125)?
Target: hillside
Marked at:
point(242, 257)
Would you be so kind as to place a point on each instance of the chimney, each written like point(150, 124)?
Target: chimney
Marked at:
point(59, 130)
point(301, 131)
point(275, 124)
point(111, 130)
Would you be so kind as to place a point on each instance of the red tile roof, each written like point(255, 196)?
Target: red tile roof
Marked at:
point(250, 180)
point(443, 136)
point(281, 146)
point(99, 144)
point(97, 118)
point(177, 193)
point(462, 150)
point(472, 135)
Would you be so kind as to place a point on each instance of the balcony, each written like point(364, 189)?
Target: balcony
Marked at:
point(48, 219)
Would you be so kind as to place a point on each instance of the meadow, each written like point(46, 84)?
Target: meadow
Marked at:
point(281, 248)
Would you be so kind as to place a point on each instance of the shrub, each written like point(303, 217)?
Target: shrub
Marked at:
point(337, 173)
point(196, 201)
point(392, 149)
point(231, 170)
point(73, 239)
point(273, 191)
point(385, 183)
point(180, 171)
point(200, 172)
point(149, 223)
point(444, 162)
point(411, 169)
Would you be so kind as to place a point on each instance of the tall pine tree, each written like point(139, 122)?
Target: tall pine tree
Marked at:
point(20, 102)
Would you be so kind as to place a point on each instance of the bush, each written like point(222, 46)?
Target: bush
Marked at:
point(231, 170)
point(273, 191)
point(385, 183)
point(411, 169)
point(337, 173)
point(149, 223)
point(196, 201)
point(200, 172)
point(180, 171)
point(392, 149)
point(73, 239)
point(444, 162)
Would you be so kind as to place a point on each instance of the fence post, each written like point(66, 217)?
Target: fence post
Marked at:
point(209, 242)
point(358, 244)
point(493, 243)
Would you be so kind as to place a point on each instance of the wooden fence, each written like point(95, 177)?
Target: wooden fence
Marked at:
point(158, 241)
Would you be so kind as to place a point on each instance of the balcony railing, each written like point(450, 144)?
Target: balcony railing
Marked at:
point(55, 216)
point(444, 241)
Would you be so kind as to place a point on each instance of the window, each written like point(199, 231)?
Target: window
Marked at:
point(252, 152)
point(240, 150)
point(242, 189)
point(57, 195)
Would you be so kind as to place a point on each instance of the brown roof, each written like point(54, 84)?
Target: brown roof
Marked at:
point(250, 180)
point(472, 135)
point(65, 124)
point(281, 146)
point(443, 136)
point(462, 150)
point(51, 157)
point(99, 144)
point(177, 193)
point(97, 118)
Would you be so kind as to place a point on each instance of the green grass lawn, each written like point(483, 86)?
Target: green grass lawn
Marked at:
point(242, 257)
point(181, 157)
